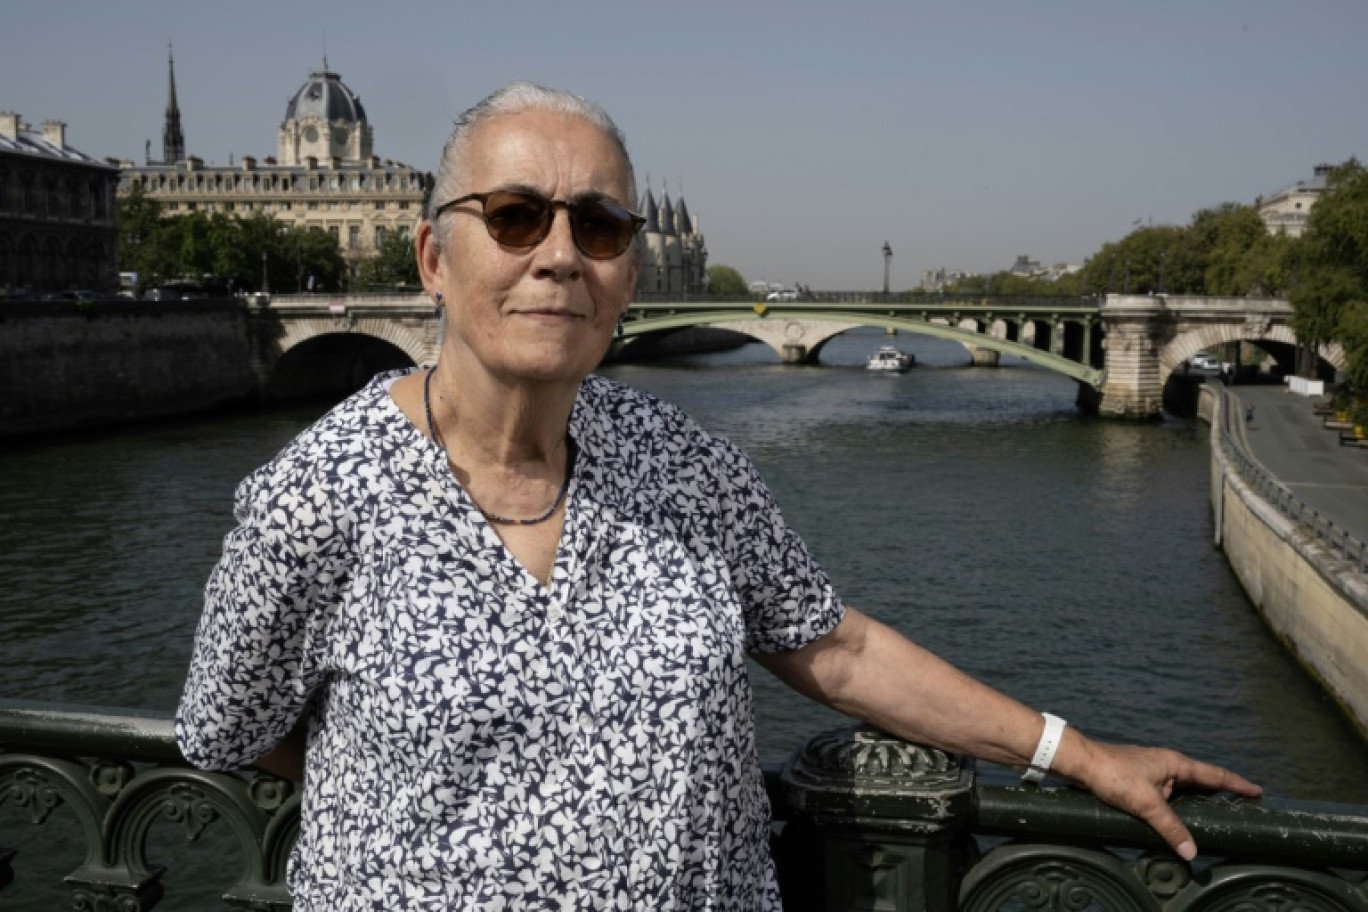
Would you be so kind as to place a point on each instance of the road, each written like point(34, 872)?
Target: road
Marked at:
point(1293, 446)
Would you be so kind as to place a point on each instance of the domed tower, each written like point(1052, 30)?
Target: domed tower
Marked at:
point(324, 120)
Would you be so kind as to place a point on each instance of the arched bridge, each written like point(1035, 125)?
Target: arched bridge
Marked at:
point(1120, 349)
point(1056, 333)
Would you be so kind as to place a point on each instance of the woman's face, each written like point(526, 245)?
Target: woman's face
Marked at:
point(544, 313)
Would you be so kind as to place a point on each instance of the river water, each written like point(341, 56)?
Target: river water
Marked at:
point(1066, 560)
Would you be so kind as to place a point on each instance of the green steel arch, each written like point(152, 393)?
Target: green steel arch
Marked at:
point(644, 322)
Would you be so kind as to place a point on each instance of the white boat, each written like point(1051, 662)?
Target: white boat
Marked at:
point(889, 358)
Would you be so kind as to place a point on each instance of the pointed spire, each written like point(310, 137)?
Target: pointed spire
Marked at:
point(648, 209)
point(667, 216)
point(173, 141)
point(683, 221)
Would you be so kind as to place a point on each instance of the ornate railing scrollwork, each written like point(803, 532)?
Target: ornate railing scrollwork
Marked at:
point(865, 821)
point(116, 803)
point(1050, 878)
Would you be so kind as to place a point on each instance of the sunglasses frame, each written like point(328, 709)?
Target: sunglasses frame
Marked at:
point(572, 209)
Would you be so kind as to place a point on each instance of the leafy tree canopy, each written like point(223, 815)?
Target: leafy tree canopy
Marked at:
point(394, 264)
point(228, 249)
point(725, 280)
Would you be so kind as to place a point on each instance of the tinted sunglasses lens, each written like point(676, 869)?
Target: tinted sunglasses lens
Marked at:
point(602, 230)
point(517, 219)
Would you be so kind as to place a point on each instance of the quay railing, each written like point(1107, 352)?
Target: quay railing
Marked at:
point(1336, 538)
point(862, 821)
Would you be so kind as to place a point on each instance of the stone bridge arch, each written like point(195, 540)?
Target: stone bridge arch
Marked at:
point(413, 343)
point(1185, 344)
point(349, 351)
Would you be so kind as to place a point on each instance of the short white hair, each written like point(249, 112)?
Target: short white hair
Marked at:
point(516, 98)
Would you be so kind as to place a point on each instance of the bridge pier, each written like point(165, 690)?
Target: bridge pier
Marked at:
point(983, 357)
point(1137, 328)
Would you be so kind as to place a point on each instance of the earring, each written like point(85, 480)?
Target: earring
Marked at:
point(437, 305)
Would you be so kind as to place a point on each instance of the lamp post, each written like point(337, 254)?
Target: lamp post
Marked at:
point(265, 281)
point(888, 259)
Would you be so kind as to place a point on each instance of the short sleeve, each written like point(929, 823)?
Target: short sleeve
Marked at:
point(253, 667)
point(787, 597)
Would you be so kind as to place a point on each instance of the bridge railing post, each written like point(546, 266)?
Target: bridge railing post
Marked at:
point(874, 823)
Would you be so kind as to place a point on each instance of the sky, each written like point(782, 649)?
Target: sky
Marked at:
point(802, 135)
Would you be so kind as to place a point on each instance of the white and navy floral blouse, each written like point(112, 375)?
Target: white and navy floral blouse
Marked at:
point(478, 741)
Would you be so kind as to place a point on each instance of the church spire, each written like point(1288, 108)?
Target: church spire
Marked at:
point(173, 141)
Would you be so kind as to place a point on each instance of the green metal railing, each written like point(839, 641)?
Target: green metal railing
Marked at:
point(862, 822)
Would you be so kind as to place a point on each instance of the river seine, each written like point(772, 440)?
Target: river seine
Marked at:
point(1066, 560)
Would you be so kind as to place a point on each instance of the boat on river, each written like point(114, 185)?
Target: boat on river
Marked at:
point(889, 358)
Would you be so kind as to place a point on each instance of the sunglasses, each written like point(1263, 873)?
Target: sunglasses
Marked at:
point(520, 218)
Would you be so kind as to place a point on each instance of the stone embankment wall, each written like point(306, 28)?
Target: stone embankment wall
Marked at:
point(69, 366)
point(1316, 602)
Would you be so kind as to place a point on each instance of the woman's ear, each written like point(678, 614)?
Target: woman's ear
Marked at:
point(429, 255)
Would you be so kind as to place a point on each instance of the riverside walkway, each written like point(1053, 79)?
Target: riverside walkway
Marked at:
point(1292, 446)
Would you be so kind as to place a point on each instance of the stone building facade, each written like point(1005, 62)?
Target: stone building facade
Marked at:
point(57, 222)
point(1286, 211)
point(674, 255)
point(324, 174)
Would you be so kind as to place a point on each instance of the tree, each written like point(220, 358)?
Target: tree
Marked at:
point(726, 280)
point(309, 254)
point(1353, 335)
point(393, 264)
point(140, 236)
point(1330, 268)
point(1140, 263)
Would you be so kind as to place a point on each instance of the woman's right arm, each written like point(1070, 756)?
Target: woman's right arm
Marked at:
point(254, 665)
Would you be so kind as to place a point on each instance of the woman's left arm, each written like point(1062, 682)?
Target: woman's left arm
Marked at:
point(870, 671)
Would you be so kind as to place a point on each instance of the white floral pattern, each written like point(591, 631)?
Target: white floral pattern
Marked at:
point(478, 741)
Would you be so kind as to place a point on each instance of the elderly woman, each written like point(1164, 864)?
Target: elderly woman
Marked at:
point(497, 610)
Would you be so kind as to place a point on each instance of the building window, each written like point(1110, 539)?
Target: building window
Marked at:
point(286, 207)
point(313, 205)
point(354, 236)
point(334, 205)
point(379, 204)
point(228, 207)
point(332, 183)
point(403, 204)
point(379, 236)
point(332, 229)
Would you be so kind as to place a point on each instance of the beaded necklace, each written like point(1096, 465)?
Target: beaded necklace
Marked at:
point(436, 436)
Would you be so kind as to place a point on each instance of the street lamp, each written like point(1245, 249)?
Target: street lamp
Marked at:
point(265, 281)
point(888, 258)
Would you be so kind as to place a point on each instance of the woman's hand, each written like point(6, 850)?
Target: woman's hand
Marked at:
point(1141, 780)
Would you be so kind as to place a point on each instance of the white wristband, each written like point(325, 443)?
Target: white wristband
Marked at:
point(1045, 750)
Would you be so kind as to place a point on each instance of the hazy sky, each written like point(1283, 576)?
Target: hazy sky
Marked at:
point(803, 135)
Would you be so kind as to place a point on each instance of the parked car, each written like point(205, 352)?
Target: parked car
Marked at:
point(787, 294)
point(1203, 361)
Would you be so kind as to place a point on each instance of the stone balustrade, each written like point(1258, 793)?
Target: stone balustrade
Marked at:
point(862, 822)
